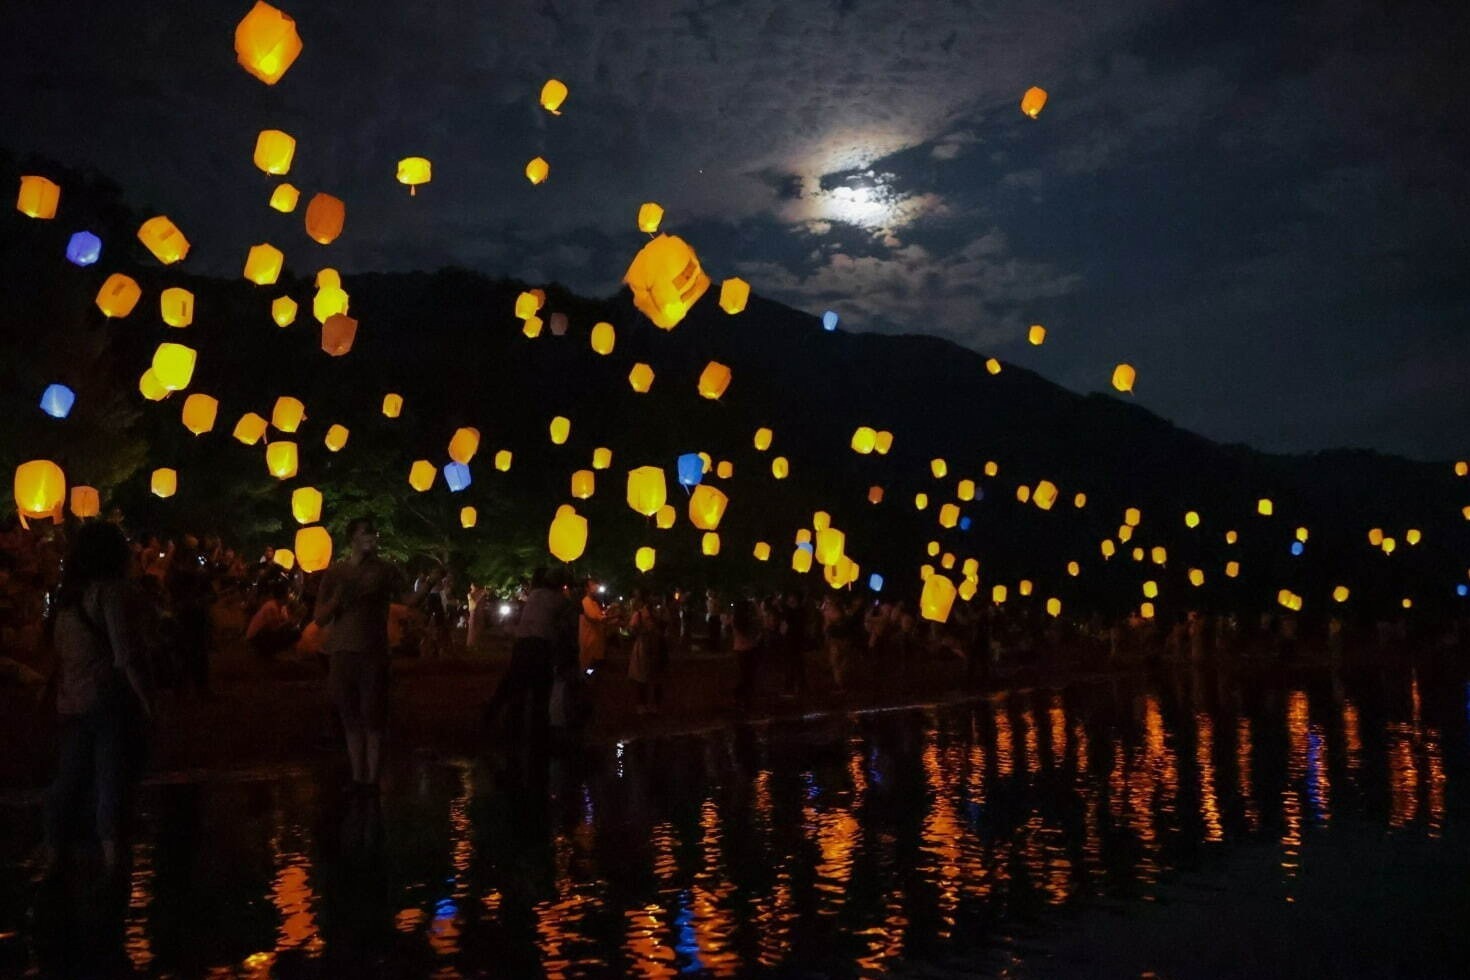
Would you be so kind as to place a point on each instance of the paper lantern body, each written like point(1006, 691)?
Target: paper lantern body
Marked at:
point(38, 198)
point(560, 428)
point(503, 460)
point(734, 294)
point(200, 411)
point(647, 490)
point(710, 544)
point(85, 502)
point(464, 444)
point(118, 295)
point(713, 380)
point(285, 557)
point(801, 561)
point(249, 429)
point(288, 413)
point(601, 458)
point(762, 551)
point(164, 483)
point(829, 321)
point(173, 365)
point(1036, 335)
point(392, 405)
point(875, 495)
point(780, 468)
point(150, 387)
point(949, 515)
point(176, 306)
point(864, 440)
point(283, 311)
point(992, 366)
point(313, 549)
point(457, 476)
point(336, 438)
point(567, 538)
point(306, 506)
point(649, 217)
point(284, 198)
point(468, 517)
point(763, 437)
point(937, 598)
point(163, 238)
point(1045, 494)
point(421, 475)
point(604, 338)
point(263, 264)
point(643, 558)
point(83, 249)
point(884, 442)
point(266, 42)
point(690, 469)
point(328, 302)
point(338, 333)
point(57, 400)
point(707, 507)
point(584, 484)
point(532, 327)
point(1033, 101)
point(666, 280)
point(553, 94)
point(273, 152)
point(528, 304)
point(641, 377)
point(413, 172)
point(325, 216)
point(1123, 377)
point(280, 460)
point(558, 324)
point(40, 488)
point(665, 518)
point(538, 170)
point(829, 546)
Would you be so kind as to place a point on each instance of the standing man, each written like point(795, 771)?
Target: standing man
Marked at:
point(353, 601)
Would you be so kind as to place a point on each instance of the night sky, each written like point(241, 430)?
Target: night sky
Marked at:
point(1263, 206)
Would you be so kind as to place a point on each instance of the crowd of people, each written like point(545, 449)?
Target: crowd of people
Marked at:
point(120, 617)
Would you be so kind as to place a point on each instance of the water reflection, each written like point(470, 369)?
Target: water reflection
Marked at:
point(853, 846)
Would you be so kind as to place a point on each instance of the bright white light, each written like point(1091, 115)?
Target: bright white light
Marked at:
point(601, 589)
point(505, 609)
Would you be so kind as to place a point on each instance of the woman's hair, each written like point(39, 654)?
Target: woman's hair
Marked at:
point(98, 552)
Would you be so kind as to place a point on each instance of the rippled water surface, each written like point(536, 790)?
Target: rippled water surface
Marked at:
point(1185, 823)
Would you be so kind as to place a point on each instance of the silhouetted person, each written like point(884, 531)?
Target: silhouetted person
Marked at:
point(526, 686)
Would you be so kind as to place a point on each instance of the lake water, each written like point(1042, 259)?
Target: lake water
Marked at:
point(1185, 822)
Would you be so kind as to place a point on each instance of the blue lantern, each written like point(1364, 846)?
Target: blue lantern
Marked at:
point(965, 523)
point(57, 400)
point(807, 547)
point(1462, 590)
point(83, 249)
point(829, 321)
point(691, 470)
point(457, 475)
point(875, 582)
point(1297, 548)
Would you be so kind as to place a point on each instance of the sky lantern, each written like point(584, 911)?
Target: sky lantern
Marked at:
point(464, 444)
point(283, 311)
point(1045, 494)
point(884, 442)
point(829, 320)
point(1159, 555)
point(647, 490)
point(734, 294)
point(937, 598)
point(1264, 507)
point(1146, 610)
point(313, 548)
point(83, 249)
point(830, 546)
point(560, 428)
point(528, 304)
point(1196, 577)
point(709, 544)
point(724, 469)
point(949, 515)
point(1074, 569)
point(1079, 501)
point(1302, 534)
point(965, 490)
point(325, 216)
point(558, 324)
point(1340, 594)
point(287, 413)
point(1375, 537)
point(85, 502)
point(1412, 536)
point(163, 238)
point(864, 440)
point(1036, 335)
point(921, 501)
point(763, 438)
point(992, 366)
point(567, 538)
point(176, 306)
point(249, 429)
point(713, 380)
point(780, 468)
point(468, 517)
point(413, 171)
point(281, 459)
point(284, 557)
point(421, 475)
point(801, 561)
point(457, 476)
point(57, 400)
point(1123, 377)
point(1138, 554)
point(392, 405)
point(538, 170)
point(38, 198)
point(991, 468)
point(263, 264)
point(1191, 519)
point(284, 198)
point(641, 377)
point(173, 365)
point(649, 216)
point(40, 488)
point(1125, 533)
point(338, 333)
point(584, 484)
point(503, 459)
point(200, 411)
point(690, 469)
point(1023, 493)
point(1033, 101)
point(266, 42)
point(1231, 537)
point(553, 94)
point(1024, 587)
point(306, 505)
point(273, 152)
point(164, 482)
point(1232, 569)
point(644, 558)
point(706, 507)
point(875, 494)
point(601, 458)
point(1462, 468)
point(118, 295)
point(666, 280)
point(531, 327)
point(1150, 589)
point(1108, 548)
point(336, 438)
point(939, 468)
point(761, 551)
point(665, 517)
point(1132, 516)
point(1053, 606)
point(604, 338)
